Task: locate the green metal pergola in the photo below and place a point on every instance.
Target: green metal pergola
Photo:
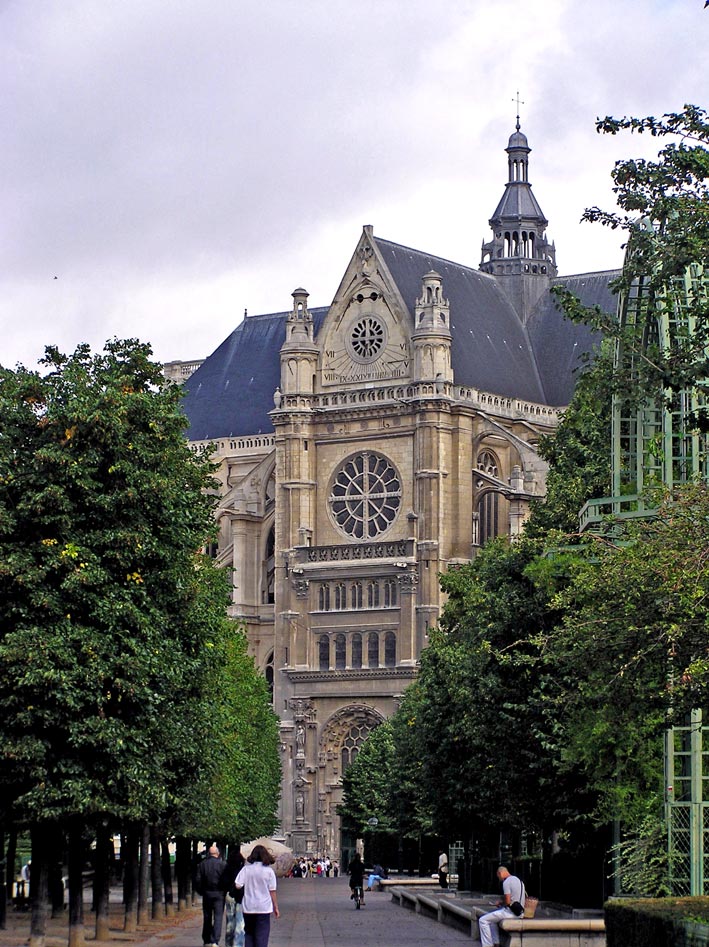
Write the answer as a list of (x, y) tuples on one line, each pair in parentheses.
[(658, 444)]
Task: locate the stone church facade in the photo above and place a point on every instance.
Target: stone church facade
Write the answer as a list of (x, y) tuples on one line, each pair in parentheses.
[(365, 448)]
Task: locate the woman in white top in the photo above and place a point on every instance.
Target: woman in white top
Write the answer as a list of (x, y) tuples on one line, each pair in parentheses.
[(258, 880)]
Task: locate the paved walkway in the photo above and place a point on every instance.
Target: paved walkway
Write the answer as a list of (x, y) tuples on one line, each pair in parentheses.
[(317, 912)]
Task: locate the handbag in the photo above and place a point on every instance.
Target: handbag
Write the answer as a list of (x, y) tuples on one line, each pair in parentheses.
[(530, 906)]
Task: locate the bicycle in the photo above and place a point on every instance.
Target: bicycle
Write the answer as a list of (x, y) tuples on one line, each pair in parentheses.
[(358, 896)]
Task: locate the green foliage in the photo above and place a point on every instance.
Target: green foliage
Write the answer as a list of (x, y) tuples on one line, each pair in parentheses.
[(476, 744), (642, 858), (236, 793), (664, 209), (670, 194), (109, 615), (368, 784), (661, 922), (630, 654)]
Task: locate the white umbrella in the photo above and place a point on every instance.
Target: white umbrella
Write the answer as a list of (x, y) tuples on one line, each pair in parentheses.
[(281, 853), (274, 847)]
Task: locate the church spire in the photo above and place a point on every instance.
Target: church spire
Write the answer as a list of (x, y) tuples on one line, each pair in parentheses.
[(519, 247)]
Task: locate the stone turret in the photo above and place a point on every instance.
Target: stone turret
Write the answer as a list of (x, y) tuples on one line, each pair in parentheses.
[(299, 353), (432, 335), (519, 254)]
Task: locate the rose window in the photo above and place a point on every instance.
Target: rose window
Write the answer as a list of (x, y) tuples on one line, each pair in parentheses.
[(365, 495)]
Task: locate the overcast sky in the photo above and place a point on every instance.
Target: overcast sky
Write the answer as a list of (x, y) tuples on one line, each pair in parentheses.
[(175, 162)]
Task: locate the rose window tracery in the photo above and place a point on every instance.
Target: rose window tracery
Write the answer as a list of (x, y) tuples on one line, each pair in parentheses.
[(365, 495)]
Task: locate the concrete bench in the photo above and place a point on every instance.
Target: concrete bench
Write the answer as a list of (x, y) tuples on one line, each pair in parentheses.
[(427, 906), (407, 899), (514, 932), (554, 931), (460, 916), (406, 881)]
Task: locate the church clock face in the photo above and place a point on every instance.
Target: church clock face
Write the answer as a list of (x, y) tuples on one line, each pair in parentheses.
[(367, 339), (365, 352)]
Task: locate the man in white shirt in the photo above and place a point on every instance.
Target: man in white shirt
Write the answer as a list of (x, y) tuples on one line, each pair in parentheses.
[(512, 891)]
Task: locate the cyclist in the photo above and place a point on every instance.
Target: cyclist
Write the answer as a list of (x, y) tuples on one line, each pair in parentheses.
[(356, 873)]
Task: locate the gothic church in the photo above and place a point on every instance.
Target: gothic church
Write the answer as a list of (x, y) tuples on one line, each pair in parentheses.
[(368, 446)]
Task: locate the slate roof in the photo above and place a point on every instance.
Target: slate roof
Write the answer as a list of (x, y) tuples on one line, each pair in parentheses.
[(490, 348), (558, 343), (519, 203), (231, 394)]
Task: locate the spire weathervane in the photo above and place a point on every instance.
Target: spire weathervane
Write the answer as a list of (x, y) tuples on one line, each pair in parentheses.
[(519, 102)]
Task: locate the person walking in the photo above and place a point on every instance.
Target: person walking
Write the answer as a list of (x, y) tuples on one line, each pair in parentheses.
[(235, 931), (512, 893), (258, 880), (210, 884)]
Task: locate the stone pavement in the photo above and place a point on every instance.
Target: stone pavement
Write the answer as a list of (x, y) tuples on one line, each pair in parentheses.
[(317, 912)]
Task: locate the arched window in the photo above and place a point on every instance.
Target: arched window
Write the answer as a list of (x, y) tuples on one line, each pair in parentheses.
[(390, 649), (324, 598), (324, 651), (352, 744), (356, 650), (389, 593), (340, 659), (340, 596), (487, 462), (356, 595), (489, 516), (373, 649), (488, 507), (373, 595)]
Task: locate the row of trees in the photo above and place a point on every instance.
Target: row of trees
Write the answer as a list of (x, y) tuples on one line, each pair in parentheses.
[(559, 660), (128, 701)]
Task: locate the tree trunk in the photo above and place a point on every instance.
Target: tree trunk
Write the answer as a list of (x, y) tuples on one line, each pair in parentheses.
[(156, 874), (194, 865), (11, 859), (3, 887), (76, 885), (39, 889), (56, 871), (143, 875), (102, 880), (167, 877), (183, 872), (130, 849)]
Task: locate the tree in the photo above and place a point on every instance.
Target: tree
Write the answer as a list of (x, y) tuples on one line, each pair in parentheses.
[(109, 612), (630, 655), (664, 210)]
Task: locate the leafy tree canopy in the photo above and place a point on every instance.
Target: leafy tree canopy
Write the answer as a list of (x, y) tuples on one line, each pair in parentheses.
[(109, 614)]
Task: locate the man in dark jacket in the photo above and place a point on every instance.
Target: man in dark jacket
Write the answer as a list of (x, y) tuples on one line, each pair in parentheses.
[(210, 884)]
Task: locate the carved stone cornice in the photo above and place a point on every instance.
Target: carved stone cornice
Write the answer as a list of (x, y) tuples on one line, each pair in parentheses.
[(351, 674), (356, 552)]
